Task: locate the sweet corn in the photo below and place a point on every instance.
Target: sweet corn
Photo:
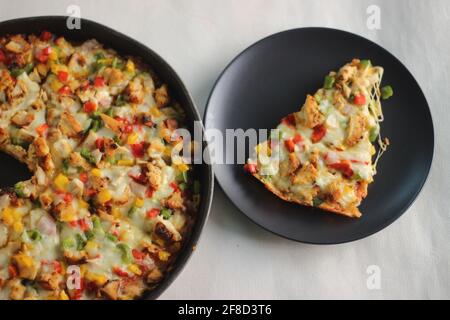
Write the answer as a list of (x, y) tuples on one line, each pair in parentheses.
[(42, 69), (63, 295), (125, 162), (154, 111), (23, 260), (83, 204), (183, 167), (129, 67), (372, 150), (68, 216), (91, 245), (56, 85), (96, 278), (167, 151), (55, 67), (96, 172), (163, 255), (139, 202), (9, 216), (135, 269), (132, 138), (18, 226), (61, 182), (104, 196), (53, 56), (116, 213), (83, 269)]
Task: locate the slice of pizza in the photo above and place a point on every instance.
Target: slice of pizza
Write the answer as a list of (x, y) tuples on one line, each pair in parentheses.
[(321, 156)]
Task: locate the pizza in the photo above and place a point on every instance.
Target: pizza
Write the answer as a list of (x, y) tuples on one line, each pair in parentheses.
[(321, 156), (107, 208)]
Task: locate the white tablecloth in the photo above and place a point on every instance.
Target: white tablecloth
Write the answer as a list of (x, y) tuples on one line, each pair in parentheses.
[(237, 259)]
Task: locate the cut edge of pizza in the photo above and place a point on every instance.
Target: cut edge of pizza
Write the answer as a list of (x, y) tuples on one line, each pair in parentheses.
[(321, 156)]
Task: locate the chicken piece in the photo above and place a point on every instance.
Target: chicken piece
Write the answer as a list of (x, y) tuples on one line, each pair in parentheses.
[(77, 257), (346, 73), (310, 114), (46, 200), (154, 175), (6, 81), (51, 281), (131, 289), (162, 96), (175, 201), (166, 232), (306, 175), (47, 164), (17, 44), (111, 289), (294, 162), (76, 160), (135, 90), (111, 123), (22, 118), (17, 289), (334, 191), (154, 276), (356, 128), (41, 147), (3, 235), (26, 265), (69, 125)]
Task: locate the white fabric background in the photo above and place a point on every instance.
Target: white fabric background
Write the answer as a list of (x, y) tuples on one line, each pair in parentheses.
[(237, 259)]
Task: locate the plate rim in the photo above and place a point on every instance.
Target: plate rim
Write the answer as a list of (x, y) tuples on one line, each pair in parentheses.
[(386, 223)]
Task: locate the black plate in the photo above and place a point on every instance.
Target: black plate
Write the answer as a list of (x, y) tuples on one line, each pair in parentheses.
[(270, 79), (12, 171)]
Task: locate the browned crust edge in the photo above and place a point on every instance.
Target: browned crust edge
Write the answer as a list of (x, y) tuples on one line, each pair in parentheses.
[(323, 206)]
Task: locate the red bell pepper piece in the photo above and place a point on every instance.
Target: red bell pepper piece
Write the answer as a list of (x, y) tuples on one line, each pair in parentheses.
[(319, 132)]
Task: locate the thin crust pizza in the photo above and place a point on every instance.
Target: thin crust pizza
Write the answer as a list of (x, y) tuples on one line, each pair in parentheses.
[(321, 156)]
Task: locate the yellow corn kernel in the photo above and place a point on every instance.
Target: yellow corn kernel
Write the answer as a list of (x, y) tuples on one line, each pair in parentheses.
[(23, 260), (132, 138), (154, 111), (27, 247), (63, 295), (96, 278), (183, 167), (91, 245), (372, 150), (83, 269), (129, 67), (68, 216), (83, 204), (104, 196), (61, 182), (139, 202), (53, 56), (56, 85), (18, 226), (163, 255), (8, 216), (135, 269), (125, 162), (42, 69), (116, 213), (96, 172), (168, 151)]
